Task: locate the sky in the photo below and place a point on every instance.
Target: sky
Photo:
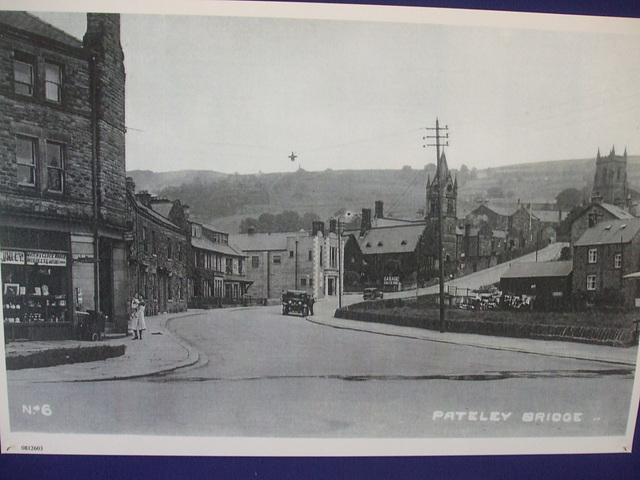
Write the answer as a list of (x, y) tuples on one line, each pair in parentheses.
[(240, 94)]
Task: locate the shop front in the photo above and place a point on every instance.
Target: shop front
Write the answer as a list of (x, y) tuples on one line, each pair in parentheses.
[(36, 285)]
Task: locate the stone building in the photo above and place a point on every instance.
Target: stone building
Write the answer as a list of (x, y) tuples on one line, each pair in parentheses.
[(610, 180), (292, 260), (450, 240), (216, 268), (594, 213), (602, 256), (62, 174), (157, 253)]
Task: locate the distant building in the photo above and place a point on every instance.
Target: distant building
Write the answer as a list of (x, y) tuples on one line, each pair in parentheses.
[(450, 241), (482, 248), (592, 214), (384, 252), (548, 283), (602, 257), (217, 269), (291, 260), (497, 218), (610, 181), (62, 175)]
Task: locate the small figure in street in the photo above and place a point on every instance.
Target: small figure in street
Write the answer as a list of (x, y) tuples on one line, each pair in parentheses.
[(137, 317), (311, 302)]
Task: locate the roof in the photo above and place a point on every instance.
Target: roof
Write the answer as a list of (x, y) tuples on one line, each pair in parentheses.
[(163, 208), (616, 211), (396, 239), (256, 242), (609, 232), (206, 244), (550, 216), (31, 23), (539, 269), (503, 211), (151, 213)]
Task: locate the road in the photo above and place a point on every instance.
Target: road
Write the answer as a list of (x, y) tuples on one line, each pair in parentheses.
[(275, 376)]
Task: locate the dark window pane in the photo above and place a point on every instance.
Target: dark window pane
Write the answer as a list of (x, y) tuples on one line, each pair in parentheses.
[(23, 77)]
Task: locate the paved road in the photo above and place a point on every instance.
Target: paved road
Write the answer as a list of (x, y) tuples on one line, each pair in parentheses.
[(269, 375)]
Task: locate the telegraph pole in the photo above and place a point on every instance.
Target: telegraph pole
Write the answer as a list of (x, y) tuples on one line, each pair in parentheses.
[(441, 181)]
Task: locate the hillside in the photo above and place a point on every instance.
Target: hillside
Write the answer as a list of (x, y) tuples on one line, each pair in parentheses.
[(224, 200)]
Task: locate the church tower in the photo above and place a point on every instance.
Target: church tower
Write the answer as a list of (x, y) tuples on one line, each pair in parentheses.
[(610, 181), (450, 200)]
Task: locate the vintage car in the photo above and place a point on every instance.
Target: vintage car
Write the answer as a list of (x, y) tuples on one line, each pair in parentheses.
[(371, 294), (295, 301)]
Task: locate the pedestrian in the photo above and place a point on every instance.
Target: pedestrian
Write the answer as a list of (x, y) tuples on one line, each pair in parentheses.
[(135, 303), (137, 319), (311, 302)]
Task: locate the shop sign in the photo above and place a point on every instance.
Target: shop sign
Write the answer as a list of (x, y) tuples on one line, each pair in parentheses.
[(391, 280), (47, 259), (9, 257)]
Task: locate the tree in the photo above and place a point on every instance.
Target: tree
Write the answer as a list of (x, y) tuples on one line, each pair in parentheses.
[(568, 198)]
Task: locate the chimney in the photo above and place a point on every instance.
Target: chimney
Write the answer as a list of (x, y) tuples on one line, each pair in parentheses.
[(596, 198), (379, 212), (144, 197), (317, 226), (365, 226), (333, 226), (131, 186)]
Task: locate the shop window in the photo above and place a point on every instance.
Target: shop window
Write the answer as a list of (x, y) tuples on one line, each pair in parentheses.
[(27, 149), (55, 167), (53, 82), (23, 74)]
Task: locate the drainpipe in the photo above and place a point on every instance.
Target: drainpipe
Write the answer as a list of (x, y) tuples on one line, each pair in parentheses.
[(94, 179)]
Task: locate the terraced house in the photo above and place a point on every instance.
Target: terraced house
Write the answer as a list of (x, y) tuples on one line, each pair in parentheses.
[(62, 175)]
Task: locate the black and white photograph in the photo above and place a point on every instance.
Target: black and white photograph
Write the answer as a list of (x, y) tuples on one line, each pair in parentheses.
[(245, 228)]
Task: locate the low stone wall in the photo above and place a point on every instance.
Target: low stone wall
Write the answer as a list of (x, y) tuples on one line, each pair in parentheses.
[(61, 356), (366, 312)]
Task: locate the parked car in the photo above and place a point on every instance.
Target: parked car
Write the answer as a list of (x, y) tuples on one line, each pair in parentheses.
[(295, 301), (371, 294)]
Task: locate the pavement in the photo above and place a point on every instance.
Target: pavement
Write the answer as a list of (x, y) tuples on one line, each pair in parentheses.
[(160, 351)]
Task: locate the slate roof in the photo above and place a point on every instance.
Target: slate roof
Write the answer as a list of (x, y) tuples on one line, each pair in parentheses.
[(206, 244), (500, 210), (152, 213), (616, 211), (395, 239), (550, 216), (608, 232), (539, 270), (257, 242), (31, 23)]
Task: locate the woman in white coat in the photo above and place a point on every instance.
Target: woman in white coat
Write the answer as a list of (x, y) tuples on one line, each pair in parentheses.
[(138, 323)]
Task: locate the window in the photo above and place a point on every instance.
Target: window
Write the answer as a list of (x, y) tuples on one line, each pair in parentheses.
[(291, 254), (311, 282), (255, 261), (310, 255), (53, 82), (333, 257), (169, 248), (239, 266), (451, 207), (229, 266), (591, 282), (321, 254), (593, 255), (169, 289), (196, 230), (27, 155), (55, 167), (303, 282), (23, 75), (145, 246), (277, 260), (617, 261)]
